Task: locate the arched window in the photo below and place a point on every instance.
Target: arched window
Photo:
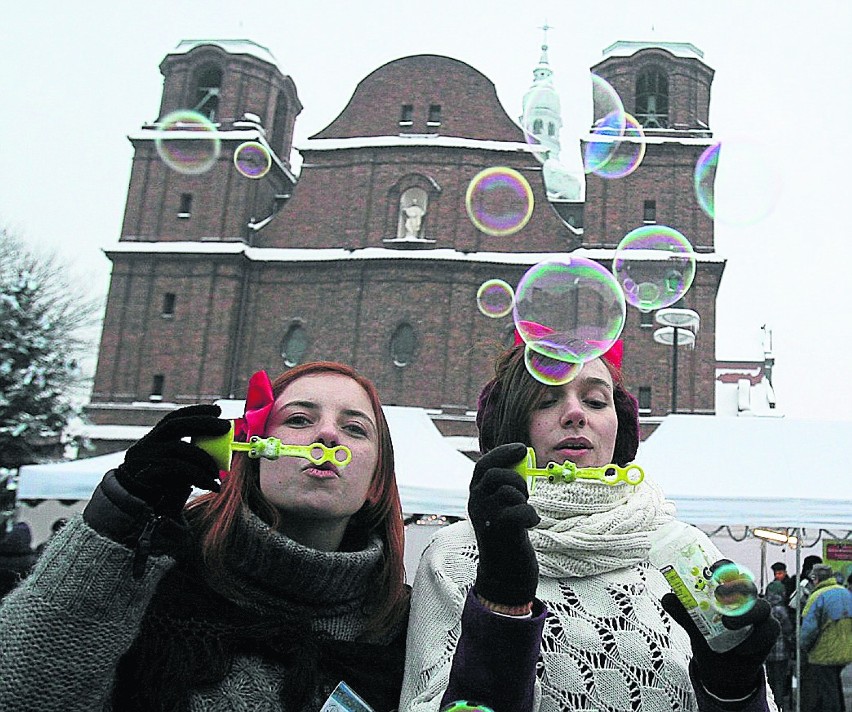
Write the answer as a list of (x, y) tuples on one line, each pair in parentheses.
[(402, 345), (294, 344), (280, 142), (652, 99), (551, 128), (413, 204), (538, 124), (207, 92)]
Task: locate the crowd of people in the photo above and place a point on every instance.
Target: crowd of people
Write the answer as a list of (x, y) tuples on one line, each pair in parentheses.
[(285, 579)]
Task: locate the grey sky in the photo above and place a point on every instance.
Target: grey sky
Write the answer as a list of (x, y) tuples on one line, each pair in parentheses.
[(77, 78)]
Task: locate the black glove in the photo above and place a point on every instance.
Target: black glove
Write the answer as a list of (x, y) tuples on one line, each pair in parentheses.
[(161, 469), (737, 673), (507, 572)]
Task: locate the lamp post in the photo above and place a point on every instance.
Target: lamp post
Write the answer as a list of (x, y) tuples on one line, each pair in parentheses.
[(679, 327)]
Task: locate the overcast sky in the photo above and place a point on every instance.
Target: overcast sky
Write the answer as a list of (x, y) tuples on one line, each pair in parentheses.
[(77, 78)]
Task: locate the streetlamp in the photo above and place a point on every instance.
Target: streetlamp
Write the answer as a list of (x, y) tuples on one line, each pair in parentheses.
[(679, 327)]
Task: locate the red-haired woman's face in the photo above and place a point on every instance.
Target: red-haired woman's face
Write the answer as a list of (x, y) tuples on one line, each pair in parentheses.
[(332, 409)]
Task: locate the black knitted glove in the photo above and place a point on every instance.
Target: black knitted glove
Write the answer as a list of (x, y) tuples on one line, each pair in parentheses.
[(735, 674), (161, 469), (507, 572)]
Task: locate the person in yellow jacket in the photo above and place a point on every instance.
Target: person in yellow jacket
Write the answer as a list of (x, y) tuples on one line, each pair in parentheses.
[(827, 638)]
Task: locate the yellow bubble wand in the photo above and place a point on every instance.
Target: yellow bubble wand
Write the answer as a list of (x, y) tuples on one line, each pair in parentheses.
[(568, 472), (221, 447)]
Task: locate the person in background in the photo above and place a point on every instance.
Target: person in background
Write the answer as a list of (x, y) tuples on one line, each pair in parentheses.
[(547, 602), (778, 662), (779, 571), (803, 585), (827, 638), (264, 593), (17, 556)]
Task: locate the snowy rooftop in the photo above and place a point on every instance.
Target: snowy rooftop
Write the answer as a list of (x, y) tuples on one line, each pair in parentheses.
[(627, 48), (406, 140), (294, 254), (230, 46)]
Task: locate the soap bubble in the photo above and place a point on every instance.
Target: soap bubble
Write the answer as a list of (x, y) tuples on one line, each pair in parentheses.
[(536, 129), (737, 181), (655, 266), (495, 298), (466, 706), (499, 201), (252, 159), (549, 371), (188, 142), (571, 309), (734, 592), (608, 122), (624, 153)]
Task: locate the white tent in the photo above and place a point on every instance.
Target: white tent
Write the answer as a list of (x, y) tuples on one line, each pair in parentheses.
[(775, 472), (433, 477)]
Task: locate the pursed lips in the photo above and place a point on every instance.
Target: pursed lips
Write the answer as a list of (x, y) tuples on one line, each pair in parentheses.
[(325, 470)]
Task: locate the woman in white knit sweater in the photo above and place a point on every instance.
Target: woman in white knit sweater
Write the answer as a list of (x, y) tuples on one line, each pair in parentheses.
[(560, 608)]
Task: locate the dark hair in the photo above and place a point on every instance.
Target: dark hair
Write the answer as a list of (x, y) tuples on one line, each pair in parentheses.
[(507, 401), (381, 512), (779, 566)]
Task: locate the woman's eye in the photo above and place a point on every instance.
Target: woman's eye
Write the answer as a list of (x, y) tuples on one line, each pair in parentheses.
[(546, 403), (356, 429), (297, 419), (597, 404)]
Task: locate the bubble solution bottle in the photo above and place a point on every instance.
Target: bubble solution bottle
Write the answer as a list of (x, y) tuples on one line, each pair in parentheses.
[(685, 556)]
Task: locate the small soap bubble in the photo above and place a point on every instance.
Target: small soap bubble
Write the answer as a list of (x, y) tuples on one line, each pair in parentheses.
[(655, 266), (623, 155), (571, 309), (495, 298), (549, 371), (737, 181), (188, 142), (499, 201), (608, 123), (466, 706), (252, 159), (734, 592)]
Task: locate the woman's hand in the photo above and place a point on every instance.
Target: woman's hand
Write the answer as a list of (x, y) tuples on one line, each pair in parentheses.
[(507, 573), (161, 469), (737, 673)]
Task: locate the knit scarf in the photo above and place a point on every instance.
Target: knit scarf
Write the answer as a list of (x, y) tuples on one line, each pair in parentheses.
[(301, 609), (590, 528)]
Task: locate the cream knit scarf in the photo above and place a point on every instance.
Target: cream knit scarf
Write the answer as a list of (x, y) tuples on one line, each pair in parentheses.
[(590, 528)]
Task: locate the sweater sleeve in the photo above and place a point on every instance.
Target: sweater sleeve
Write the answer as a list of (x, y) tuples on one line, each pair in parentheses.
[(495, 658), (811, 624), (760, 701), (455, 647), (63, 630)]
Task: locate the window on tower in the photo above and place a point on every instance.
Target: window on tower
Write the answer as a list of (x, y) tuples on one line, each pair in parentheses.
[(403, 343), (185, 209), (538, 125), (649, 211), (434, 115), (157, 385), (169, 299), (644, 399), (294, 344), (207, 92), (406, 115), (551, 128), (652, 99)]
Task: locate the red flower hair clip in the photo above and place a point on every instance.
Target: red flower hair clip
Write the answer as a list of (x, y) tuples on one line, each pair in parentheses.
[(614, 355), (259, 402)]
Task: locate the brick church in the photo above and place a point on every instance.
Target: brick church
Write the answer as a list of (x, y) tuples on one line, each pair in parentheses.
[(217, 275)]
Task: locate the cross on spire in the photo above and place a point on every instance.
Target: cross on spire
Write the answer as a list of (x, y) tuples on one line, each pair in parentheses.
[(545, 27)]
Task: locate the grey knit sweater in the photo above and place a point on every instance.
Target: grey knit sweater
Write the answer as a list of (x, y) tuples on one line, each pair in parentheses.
[(64, 629)]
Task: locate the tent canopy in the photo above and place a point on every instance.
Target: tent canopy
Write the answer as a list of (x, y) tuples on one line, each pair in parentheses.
[(432, 476), (774, 472)]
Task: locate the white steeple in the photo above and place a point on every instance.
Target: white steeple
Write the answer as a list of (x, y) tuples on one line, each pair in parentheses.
[(542, 113)]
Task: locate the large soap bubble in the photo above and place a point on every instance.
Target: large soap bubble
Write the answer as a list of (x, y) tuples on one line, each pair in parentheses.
[(495, 298), (499, 201), (188, 142), (734, 591), (655, 266), (571, 309), (608, 123), (623, 154), (550, 371)]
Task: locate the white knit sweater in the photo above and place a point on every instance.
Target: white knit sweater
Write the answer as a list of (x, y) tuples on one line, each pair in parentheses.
[(607, 644)]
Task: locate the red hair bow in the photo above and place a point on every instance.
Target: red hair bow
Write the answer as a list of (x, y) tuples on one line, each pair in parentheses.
[(613, 355), (259, 402)]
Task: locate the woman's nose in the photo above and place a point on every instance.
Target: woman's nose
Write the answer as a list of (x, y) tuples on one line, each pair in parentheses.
[(572, 414), (327, 433)]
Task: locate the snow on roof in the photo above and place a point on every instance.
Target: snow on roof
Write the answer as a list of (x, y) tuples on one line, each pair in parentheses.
[(666, 137), (407, 140), (627, 48), (331, 254), (231, 46)]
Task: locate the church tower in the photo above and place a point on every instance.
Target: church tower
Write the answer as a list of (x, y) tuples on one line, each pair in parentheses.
[(666, 87), (178, 283)]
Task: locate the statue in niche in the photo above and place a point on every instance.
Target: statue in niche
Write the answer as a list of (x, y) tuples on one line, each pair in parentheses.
[(413, 219)]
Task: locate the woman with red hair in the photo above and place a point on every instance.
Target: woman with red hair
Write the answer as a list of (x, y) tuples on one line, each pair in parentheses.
[(265, 593)]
